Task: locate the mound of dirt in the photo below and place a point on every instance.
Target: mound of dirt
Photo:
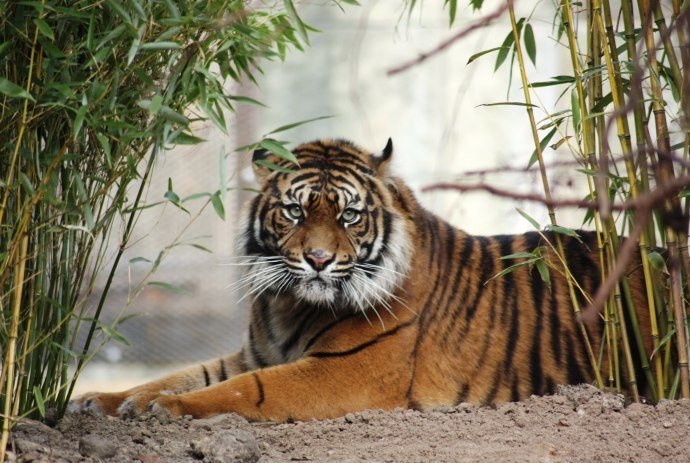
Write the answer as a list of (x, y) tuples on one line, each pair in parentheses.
[(577, 424)]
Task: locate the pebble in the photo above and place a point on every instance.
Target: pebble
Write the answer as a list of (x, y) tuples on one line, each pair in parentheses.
[(94, 446), (227, 445), (350, 418)]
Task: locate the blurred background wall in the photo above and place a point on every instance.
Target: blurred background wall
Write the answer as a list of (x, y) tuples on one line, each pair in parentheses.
[(432, 112)]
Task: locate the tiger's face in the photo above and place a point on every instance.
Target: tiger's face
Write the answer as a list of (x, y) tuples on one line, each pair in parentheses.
[(326, 231)]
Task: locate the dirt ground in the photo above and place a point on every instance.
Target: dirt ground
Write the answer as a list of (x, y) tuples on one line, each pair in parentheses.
[(577, 424)]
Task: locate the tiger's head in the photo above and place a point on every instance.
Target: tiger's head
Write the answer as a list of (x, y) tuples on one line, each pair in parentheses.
[(326, 230)]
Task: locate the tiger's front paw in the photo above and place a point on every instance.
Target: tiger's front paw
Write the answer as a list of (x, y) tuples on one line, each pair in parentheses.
[(137, 405), (166, 408), (97, 403)]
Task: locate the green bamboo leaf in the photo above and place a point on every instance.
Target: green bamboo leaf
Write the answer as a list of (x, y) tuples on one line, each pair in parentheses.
[(278, 149), (160, 46), (13, 90), (155, 106), (120, 11), (563, 230), (113, 334), (519, 255), (167, 286), (40, 403), (657, 261), (134, 260), (44, 28), (544, 141), (283, 128), (87, 212), (172, 9), (246, 99), (139, 9), (168, 113), (534, 223), (543, 271), (4, 48), (476, 4), (79, 120), (557, 80), (299, 25), (530, 44), (575, 107), (505, 47), (663, 342), (218, 205), (510, 103), (273, 166), (482, 53), (26, 183), (514, 267), (452, 10)]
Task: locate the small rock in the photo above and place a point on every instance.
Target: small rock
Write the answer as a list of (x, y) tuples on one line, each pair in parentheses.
[(94, 446), (227, 445), (350, 418), (26, 446), (226, 421), (443, 408), (667, 424), (138, 438), (149, 459), (10, 456), (563, 422)]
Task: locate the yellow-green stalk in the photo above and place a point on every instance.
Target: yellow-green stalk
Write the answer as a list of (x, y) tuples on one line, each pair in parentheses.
[(547, 192)]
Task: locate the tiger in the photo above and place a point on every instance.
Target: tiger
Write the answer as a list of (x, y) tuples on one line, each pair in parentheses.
[(363, 299)]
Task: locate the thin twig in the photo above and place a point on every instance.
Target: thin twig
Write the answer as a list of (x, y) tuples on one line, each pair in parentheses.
[(485, 21)]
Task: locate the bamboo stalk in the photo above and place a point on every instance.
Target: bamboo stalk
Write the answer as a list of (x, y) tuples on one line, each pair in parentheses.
[(624, 138), (9, 363), (663, 173), (547, 193)]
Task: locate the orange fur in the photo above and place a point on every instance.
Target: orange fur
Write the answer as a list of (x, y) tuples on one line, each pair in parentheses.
[(424, 321)]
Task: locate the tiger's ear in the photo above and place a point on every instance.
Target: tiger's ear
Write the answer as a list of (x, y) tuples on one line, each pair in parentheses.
[(382, 158), (260, 172)]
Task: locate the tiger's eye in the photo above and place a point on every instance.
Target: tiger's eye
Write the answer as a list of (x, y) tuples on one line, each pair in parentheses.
[(295, 211), (350, 215)]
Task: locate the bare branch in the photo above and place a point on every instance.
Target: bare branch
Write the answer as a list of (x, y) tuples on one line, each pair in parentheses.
[(485, 21)]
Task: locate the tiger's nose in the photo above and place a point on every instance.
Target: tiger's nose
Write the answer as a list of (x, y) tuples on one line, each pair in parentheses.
[(318, 258)]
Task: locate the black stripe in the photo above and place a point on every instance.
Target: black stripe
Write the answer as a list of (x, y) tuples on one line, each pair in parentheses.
[(555, 322), (487, 264), (550, 385), (491, 395), (297, 334), (536, 372), (458, 283), (207, 378), (432, 240), (461, 396), (326, 329), (256, 356), (509, 278), (575, 375), (364, 345), (260, 387), (223, 373), (446, 259), (515, 389)]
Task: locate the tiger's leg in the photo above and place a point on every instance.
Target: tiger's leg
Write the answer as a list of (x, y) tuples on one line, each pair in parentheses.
[(133, 401), (312, 387)]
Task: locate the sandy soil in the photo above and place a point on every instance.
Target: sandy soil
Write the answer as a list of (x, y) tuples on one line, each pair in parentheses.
[(577, 424)]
